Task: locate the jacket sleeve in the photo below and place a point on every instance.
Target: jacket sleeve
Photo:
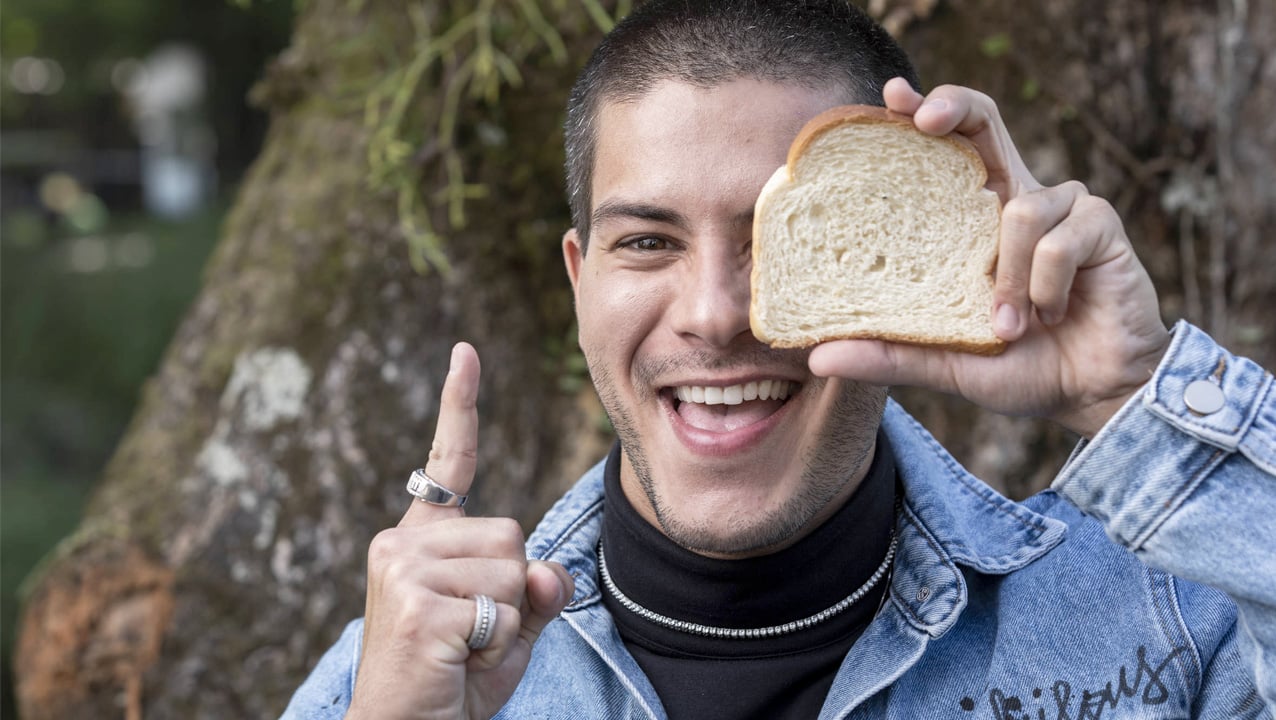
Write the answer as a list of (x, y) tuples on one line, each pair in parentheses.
[(326, 693), (1192, 490)]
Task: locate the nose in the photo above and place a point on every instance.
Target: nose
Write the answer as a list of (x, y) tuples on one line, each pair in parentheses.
[(713, 304)]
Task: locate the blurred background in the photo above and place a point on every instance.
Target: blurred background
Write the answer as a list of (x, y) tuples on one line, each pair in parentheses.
[(125, 128), (220, 552)]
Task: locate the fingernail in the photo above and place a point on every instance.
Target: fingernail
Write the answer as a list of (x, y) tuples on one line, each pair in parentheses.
[(1006, 321), (452, 363), (936, 104)]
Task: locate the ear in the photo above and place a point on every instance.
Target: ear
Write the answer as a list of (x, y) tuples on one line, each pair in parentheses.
[(573, 257)]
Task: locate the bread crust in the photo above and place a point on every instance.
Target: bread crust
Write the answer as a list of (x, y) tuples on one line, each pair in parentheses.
[(781, 175), (869, 115), (814, 128), (969, 347)]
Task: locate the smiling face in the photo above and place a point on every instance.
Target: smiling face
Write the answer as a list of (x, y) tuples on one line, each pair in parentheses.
[(729, 447)]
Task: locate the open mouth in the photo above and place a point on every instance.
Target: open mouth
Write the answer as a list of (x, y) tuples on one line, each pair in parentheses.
[(728, 408)]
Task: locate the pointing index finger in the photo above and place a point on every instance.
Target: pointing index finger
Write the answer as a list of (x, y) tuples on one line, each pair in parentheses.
[(454, 451)]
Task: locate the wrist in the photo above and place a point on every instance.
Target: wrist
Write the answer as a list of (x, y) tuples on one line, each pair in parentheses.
[(1088, 417)]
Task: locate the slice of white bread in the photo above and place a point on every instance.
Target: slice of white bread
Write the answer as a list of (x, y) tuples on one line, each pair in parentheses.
[(874, 229)]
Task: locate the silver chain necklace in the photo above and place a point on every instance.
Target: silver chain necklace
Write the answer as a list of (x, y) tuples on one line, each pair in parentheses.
[(747, 633)]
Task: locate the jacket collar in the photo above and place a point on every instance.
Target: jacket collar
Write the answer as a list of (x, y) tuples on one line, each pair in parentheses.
[(972, 524), (569, 534), (950, 519)]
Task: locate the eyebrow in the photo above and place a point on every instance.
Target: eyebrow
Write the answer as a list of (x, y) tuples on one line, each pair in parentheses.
[(620, 209)]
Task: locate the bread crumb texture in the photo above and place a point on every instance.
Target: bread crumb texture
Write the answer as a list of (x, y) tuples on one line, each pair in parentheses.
[(876, 230)]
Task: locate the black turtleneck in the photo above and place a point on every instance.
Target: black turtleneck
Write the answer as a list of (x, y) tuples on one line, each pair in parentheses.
[(780, 677)]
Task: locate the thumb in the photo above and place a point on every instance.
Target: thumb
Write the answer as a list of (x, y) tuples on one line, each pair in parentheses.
[(884, 363), (549, 589)]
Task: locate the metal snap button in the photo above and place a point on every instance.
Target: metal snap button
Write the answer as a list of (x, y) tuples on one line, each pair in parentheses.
[(1203, 397)]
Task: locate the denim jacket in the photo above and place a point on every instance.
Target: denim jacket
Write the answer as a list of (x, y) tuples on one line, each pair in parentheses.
[(1158, 602)]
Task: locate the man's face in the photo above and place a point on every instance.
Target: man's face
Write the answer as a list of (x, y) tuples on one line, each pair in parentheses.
[(662, 299)]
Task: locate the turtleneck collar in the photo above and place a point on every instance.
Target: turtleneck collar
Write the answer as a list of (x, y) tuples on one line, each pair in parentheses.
[(798, 581)]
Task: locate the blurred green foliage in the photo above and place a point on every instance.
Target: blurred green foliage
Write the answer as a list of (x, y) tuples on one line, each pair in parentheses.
[(75, 348), (995, 46), (480, 48), (89, 298)]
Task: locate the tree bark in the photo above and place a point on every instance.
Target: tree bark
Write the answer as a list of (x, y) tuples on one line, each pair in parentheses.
[(224, 548)]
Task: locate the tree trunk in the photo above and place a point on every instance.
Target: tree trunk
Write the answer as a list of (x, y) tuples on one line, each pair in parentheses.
[(224, 549)]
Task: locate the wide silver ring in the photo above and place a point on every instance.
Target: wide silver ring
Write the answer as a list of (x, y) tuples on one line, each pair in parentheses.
[(424, 488), (484, 622)]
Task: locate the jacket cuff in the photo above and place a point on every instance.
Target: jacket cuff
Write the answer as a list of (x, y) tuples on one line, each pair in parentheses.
[(1146, 461)]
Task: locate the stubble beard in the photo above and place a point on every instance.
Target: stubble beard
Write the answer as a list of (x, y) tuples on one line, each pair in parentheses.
[(844, 447)]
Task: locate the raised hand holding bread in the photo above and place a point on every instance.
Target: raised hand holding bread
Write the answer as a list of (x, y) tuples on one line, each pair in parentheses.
[(1071, 298)]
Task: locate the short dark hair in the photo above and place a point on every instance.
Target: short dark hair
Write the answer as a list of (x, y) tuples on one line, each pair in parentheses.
[(707, 43)]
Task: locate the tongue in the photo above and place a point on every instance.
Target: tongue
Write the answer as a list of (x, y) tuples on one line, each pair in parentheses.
[(725, 418)]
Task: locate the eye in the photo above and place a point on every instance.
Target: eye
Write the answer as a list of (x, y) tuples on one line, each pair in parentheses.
[(647, 243)]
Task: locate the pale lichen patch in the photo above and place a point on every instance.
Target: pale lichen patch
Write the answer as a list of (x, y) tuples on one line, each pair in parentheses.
[(220, 462), (268, 386)]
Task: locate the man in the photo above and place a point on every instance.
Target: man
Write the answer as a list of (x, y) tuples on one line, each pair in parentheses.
[(810, 551)]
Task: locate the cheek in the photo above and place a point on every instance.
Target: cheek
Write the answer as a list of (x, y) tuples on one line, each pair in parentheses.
[(615, 317)]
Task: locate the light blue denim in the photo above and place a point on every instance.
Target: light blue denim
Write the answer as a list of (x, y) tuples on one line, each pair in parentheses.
[(1001, 610)]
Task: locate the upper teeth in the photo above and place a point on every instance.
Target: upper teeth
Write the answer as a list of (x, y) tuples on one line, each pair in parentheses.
[(734, 394)]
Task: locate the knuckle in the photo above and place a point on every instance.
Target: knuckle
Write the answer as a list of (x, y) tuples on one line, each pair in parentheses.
[(511, 580), (1077, 188), (508, 535), (1022, 212), (1052, 253), (384, 547), (952, 91), (393, 573), (423, 614), (1011, 285), (1011, 276), (1092, 204), (445, 452)]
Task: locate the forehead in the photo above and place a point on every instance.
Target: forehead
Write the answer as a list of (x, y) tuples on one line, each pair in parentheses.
[(680, 142)]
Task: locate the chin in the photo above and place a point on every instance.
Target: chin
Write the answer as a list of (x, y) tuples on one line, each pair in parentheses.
[(742, 528)]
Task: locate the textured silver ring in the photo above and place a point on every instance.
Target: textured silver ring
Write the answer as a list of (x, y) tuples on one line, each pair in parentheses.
[(423, 488), (484, 622)]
